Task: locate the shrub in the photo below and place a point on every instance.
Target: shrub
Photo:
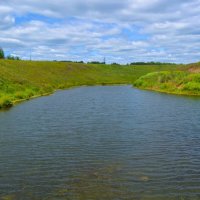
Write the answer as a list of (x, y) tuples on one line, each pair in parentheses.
[(11, 57), (2, 56), (5, 102), (192, 86)]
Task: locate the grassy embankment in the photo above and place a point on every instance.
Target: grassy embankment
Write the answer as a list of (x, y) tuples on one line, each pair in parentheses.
[(20, 80), (185, 81)]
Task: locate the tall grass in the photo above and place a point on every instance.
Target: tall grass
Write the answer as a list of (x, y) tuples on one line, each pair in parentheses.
[(177, 82)]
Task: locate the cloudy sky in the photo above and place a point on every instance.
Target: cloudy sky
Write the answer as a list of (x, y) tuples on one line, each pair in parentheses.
[(121, 30)]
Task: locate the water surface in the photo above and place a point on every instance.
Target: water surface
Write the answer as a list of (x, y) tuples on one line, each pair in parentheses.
[(112, 142)]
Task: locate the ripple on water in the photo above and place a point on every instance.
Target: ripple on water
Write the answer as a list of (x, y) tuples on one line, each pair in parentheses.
[(101, 143)]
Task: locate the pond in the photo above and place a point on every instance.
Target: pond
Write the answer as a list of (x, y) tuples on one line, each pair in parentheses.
[(102, 142)]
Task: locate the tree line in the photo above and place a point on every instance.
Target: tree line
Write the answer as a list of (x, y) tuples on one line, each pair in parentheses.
[(9, 57)]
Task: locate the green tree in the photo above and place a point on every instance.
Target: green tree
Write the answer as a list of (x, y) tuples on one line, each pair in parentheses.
[(11, 57), (2, 56)]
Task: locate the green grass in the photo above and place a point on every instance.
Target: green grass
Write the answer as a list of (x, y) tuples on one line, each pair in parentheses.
[(175, 82), (21, 80)]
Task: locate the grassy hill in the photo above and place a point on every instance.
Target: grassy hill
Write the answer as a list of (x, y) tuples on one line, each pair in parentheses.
[(185, 81), (20, 80)]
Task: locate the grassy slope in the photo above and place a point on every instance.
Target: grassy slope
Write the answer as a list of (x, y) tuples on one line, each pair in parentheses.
[(24, 79), (186, 81)]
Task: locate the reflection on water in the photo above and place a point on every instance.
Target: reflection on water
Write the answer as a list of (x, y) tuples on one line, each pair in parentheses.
[(96, 143)]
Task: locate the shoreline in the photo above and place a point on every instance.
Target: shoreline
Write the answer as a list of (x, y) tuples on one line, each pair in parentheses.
[(168, 92), (17, 101), (25, 80)]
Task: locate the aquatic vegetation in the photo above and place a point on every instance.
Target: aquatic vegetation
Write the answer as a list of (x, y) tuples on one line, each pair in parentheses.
[(144, 178), (96, 184), (8, 197)]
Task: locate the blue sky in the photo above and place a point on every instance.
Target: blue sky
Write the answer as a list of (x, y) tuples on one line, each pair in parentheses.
[(122, 31)]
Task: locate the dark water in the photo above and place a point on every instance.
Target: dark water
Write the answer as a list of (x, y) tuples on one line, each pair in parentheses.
[(91, 143)]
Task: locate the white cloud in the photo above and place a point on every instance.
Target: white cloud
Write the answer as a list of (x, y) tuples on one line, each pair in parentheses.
[(124, 31)]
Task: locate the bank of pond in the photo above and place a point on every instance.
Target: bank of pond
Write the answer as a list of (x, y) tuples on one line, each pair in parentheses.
[(23, 80)]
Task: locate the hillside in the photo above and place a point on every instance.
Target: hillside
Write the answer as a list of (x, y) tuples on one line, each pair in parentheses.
[(185, 81), (21, 80)]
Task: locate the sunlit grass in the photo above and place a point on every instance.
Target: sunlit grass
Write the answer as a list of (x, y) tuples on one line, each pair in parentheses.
[(25, 79), (177, 82)]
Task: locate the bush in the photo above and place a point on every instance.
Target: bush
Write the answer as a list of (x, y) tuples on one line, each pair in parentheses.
[(192, 86), (10, 57), (2, 56), (5, 102)]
